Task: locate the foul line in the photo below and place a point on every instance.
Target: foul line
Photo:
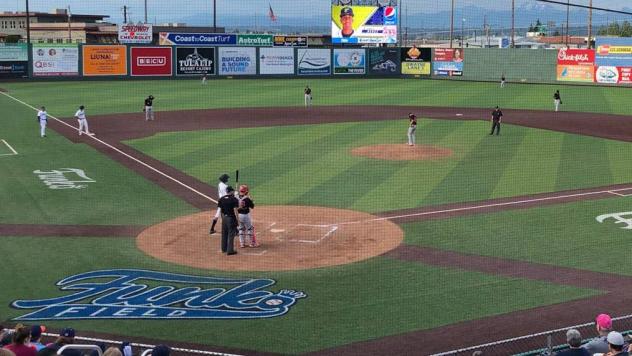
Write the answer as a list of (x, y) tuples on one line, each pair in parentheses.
[(11, 148), (119, 151)]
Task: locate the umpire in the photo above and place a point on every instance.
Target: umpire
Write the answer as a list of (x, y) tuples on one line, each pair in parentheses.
[(228, 205), (497, 116)]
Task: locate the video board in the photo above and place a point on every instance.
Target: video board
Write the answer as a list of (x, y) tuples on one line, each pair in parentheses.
[(363, 24)]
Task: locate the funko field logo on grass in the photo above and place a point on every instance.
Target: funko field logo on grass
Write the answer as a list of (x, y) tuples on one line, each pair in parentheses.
[(125, 294)]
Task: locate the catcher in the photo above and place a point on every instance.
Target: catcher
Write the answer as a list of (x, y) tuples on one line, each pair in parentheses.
[(246, 229)]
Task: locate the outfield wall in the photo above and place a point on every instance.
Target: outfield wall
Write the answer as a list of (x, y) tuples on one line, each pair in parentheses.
[(529, 65)]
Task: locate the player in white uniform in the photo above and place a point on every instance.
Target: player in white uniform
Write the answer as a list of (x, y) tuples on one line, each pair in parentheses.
[(221, 191), (80, 115), (42, 117), (308, 96)]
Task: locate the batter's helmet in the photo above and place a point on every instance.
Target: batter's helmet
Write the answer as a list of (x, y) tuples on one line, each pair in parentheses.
[(224, 178), (151, 97), (243, 189)]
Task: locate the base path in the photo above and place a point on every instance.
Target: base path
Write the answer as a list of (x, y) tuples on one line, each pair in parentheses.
[(289, 237)]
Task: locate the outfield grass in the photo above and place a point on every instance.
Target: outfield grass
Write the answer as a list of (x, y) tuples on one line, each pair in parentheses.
[(121, 96), (312, 164), (563, 235), (349, 303), (118, 197)]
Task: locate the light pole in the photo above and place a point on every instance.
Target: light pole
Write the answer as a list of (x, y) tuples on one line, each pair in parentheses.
[(28, 25), (568, 10), (513, 23), (451, 23), (590, 24), (214, 16), (462, 32), (69, 30), (145, 11)]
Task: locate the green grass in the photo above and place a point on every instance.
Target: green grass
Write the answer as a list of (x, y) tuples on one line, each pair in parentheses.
[(563, 235), (118, 197), (312, 164), (345, 304), (101, 97)]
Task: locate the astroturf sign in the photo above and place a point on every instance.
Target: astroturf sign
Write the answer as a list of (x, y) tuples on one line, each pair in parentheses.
[(127, 294), (255, 40)]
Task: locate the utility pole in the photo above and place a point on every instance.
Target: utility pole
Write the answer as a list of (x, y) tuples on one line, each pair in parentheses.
[(214, 16), (28, 25), (451, 23), (568, 10), (145, 11), (69, 30), (590, 25), (462, 33), (513, 23), (124, 13)]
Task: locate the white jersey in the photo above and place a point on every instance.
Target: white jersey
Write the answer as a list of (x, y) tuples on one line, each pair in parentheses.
[(42, 115), (80, 114), (221, 189)]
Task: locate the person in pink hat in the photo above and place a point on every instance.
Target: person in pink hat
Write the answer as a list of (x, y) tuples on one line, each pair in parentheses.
[(603, 323)]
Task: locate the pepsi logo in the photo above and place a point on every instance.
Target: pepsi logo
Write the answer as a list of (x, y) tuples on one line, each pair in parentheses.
[(389, 12)]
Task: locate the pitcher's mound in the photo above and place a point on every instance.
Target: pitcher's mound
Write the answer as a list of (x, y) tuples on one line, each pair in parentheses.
[(402, 152), (289, 237)]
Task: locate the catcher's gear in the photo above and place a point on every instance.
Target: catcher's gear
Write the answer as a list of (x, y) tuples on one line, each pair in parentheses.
[(243, 189)]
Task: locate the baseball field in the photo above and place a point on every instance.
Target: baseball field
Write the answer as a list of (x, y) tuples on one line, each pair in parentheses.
[(367, 245)]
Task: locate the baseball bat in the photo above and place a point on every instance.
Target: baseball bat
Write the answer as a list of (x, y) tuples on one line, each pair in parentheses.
[(237, 176)]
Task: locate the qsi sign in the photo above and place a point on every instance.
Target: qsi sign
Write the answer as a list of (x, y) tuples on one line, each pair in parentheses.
[(139, 33)]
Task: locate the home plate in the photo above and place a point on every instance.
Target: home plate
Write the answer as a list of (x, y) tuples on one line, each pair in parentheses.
[(459, 114)]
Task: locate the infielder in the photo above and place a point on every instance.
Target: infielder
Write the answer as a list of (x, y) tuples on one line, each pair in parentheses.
[(246, 229), (149, 108), (221, 191), (557, 100), (80, 115), (42, 117), (308, 96), (412, 129)]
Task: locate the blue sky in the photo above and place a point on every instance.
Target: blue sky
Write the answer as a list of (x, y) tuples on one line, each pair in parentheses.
[(179, 10)]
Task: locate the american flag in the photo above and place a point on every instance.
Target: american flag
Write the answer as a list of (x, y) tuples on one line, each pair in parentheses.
[(271, 14)]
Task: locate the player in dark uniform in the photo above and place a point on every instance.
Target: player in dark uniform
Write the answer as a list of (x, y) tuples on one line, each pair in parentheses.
[(496, 118), (228, 205), (557, 100), (149, 108)]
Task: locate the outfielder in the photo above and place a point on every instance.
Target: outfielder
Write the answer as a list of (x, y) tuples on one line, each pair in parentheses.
[(42, 117), (149, 108), (557, 100), (308, 96), (412, 129), (245, 228), (80, 115), (221, 191)]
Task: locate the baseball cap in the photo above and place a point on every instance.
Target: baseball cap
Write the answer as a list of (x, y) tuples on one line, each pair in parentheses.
[(346, 11), (615, 338), (604, 321), (161, 350), (37, 330), (67, 332)]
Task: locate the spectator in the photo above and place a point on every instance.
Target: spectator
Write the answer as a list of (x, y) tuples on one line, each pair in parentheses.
[(21, 339), (112, 351), (126, 348), (603, 323), (615, 344), (5, 352), (6, 337), (574, 340), (161, 350), (66, 337), (36, 336)]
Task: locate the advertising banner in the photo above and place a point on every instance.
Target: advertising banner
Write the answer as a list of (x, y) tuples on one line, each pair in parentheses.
[(447, 62), (276, 61), (195, 61), (363, 24), (55, 60), (349, 61), (196, 39), (13, 52), (151, 61), (290, 41), (613, 51), (13, 69), (575, 65), (384, 61), (237, 61), (135, 33), (104, 60), (255, 40), (416, 61), (625, 75), (314, 61)]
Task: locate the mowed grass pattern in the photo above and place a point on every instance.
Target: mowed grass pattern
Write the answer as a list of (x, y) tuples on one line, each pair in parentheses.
[(118, 96), (313, 164)]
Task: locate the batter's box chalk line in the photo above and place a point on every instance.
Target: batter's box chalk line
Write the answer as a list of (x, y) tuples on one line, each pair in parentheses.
[(300, 233)]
